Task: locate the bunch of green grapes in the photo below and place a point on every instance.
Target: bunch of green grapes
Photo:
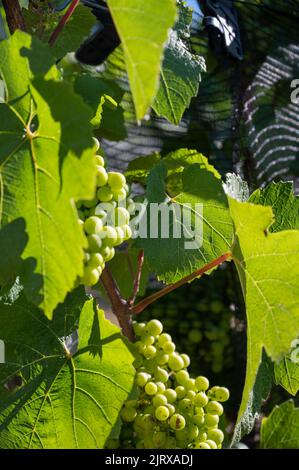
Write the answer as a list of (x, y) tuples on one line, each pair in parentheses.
[(105, 220), (173, 410), (198, 317)]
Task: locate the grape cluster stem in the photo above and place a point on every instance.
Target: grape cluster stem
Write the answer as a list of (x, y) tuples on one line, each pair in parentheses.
[(124, 309)]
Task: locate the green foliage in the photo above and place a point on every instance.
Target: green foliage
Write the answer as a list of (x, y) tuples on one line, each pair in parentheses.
[(269, 274), (281, 429), (70, 368), (47, 161), (198, 183), (143, 29), (180, 72)]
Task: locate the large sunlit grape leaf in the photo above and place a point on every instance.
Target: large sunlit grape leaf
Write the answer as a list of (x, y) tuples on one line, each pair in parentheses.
[(268, 267), (194, 226), (76, 372), (281, 429), (143, 29), (46, 163), (285, 205), (180, 72)]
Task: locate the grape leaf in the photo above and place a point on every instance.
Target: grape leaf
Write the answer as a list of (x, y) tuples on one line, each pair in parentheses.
[(76, 372), (179, 252), (74, 32), (103, 97), (268, 267), (180, 72), (285, 205), (46, 161), (280, 196), (281, 429), (260, 392), (143, 32)]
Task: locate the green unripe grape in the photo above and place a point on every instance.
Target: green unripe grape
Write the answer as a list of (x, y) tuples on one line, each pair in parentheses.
[(109, 236), (190, 384), (159, 400), (100, 270), (161, 387), (104, 194), (185, 405), (211, 443), (121, 216), (108, 255), (198, 419), (96, 260), (102, 177), (149, 352), (202, 436), (186, 360), (154, 327), (214, 408), (94, 243), (139, 346), (216, 306), (201, 399), (128, 414), (219, 393), (93, 225), (81, 223), (168, 347), (164, 338), (180, 391), (159, 439), (142, 378), (182, 377), (96, 144), (147, 339), (120, 235), (211, 420), (100, 213), (202, 445), (182, 436), (148, 423), (90, 276), (171, 409), (201, 383), (138, 328), (119, 194), (87, 257), (162, 413), (195, 336), (170, 395), (127, 232), (175, 362), (100, 161), (190, 394), (161, 375), (151, 388), (192, 431), (116, 180), (131, 207), (216, 435), (162, 358), (177, 422)]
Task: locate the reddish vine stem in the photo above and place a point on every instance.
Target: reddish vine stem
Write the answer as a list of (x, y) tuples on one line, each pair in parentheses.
[(137, 279), (14, 15), (63, 22), (137, 309), (120, 306)]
